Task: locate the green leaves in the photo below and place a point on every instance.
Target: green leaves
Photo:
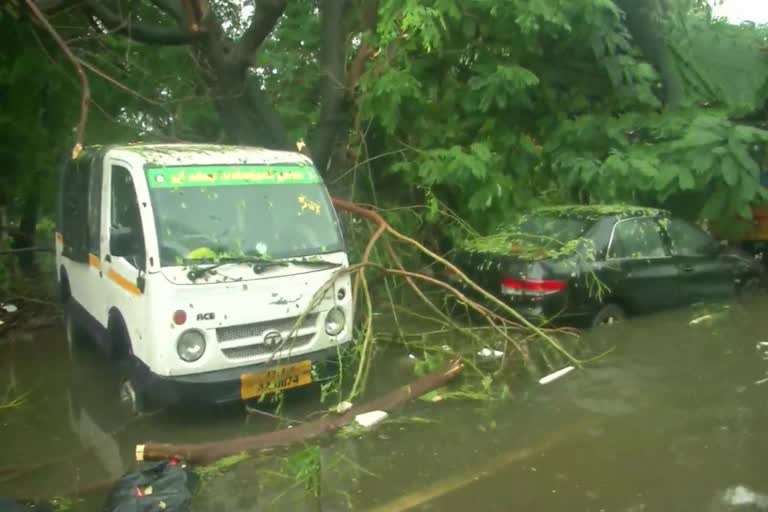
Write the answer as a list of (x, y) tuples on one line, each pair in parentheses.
[(506, 85), (698, 155)]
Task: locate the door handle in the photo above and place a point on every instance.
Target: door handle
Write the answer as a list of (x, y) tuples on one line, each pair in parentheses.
[(686, 268)]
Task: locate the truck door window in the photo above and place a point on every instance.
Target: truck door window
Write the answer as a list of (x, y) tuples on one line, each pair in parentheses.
[(94, 210), (125, 215), (75, 210)]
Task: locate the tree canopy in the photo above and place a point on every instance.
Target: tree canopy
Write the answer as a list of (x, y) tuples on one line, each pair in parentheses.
[(482, 106)]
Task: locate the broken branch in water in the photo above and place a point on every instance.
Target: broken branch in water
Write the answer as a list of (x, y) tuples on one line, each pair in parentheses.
[(205, 453)]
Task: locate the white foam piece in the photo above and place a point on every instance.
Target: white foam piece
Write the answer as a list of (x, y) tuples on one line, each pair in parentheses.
[(556, 375), (369, 419)]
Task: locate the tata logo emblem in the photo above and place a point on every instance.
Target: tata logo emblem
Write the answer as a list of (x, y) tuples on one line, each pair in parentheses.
[(205, 316), (272, 339)]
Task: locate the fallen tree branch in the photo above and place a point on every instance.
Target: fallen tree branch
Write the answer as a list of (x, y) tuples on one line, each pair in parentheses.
[(383, 226), (206, 453), (85, 89)]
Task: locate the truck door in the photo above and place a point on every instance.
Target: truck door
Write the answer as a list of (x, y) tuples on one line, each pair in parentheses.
[(125, 249)]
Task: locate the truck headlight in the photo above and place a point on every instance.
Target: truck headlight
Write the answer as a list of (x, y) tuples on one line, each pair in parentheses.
[(334, 321), (191, 346)]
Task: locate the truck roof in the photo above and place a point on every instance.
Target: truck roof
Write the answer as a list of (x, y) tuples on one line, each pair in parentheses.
[(177, 154)]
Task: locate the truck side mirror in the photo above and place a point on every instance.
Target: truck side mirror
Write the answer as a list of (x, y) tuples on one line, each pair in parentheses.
[(122, 242)]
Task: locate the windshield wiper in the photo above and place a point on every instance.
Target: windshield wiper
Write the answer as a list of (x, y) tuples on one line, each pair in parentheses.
[(257, 261), (314, 263), (260, 264)]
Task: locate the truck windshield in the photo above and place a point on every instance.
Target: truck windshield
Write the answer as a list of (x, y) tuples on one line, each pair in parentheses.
[(213, 212)]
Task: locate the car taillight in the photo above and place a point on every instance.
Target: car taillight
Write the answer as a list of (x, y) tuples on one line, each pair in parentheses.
[(530, 287)]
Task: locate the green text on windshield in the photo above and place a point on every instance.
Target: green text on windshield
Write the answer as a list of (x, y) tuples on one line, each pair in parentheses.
[(214, 212)]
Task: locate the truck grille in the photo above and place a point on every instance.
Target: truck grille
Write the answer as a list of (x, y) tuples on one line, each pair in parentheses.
[(260, 349), (283, 326)]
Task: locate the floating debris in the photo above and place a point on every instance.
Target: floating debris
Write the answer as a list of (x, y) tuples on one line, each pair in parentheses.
[(556, 375), (740, 495), (487, 352), (9, 308), (700, 319), (343, 407), (370, 419)]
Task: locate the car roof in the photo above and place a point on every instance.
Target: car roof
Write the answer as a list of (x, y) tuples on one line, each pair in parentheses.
[(178, 154), (600, 211)]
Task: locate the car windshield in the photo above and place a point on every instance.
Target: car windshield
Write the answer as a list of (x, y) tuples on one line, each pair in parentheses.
[(550, 230), (213, 212)]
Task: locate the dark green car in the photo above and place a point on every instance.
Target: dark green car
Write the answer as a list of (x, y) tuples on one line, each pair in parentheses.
[(589, 265)]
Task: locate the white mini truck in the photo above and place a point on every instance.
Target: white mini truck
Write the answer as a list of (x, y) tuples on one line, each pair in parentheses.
[(207, 273)]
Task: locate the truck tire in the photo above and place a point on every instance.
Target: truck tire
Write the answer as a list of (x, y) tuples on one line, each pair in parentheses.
[(132, 399)]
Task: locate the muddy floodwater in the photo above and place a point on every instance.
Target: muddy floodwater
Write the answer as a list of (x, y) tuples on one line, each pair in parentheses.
[(674, 419)]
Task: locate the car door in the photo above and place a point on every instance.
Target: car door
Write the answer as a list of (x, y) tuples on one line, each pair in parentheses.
[(639, 269), (704, 274)]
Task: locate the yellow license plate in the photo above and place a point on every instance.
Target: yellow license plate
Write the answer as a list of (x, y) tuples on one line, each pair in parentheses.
[(253, 385)]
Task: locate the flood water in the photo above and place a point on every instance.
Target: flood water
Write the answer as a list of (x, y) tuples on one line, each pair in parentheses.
[(674, 419)]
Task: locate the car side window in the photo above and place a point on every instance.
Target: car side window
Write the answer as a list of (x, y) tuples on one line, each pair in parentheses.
[(636, 239), (688, 240), (125, 214)]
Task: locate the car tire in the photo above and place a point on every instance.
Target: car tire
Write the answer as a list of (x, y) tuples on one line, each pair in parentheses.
[(609, 314)]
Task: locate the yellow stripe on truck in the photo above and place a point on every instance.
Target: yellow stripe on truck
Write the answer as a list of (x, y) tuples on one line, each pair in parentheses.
[(94, 261), (124, 283)]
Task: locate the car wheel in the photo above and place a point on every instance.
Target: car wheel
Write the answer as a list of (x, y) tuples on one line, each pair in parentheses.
[(609, 314)]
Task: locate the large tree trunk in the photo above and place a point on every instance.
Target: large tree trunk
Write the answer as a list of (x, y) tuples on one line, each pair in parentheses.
[(643, 22), (333, 89), (247, 115)]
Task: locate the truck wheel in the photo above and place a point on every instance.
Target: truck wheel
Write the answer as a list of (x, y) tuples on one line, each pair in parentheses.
[(608, 315), (131, 400)]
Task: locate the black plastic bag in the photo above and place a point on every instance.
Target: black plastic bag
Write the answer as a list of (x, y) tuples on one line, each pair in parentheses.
[(165, 486)]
